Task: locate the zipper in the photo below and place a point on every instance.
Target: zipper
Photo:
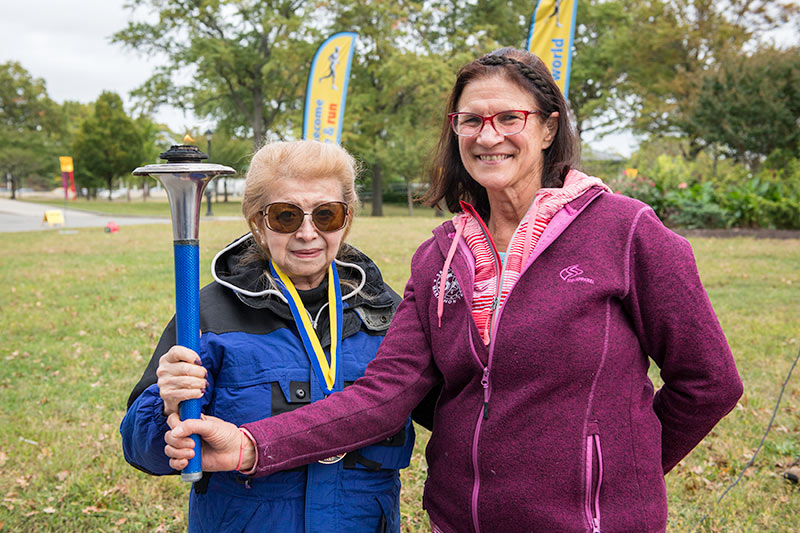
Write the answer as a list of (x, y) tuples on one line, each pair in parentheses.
[(593, 484), (485, 383), (476, 484)]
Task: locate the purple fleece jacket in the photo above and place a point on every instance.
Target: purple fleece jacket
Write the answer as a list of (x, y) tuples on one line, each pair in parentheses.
[(555, 425)]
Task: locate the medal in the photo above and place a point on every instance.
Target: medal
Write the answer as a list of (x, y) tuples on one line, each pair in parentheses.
[(333, 459)]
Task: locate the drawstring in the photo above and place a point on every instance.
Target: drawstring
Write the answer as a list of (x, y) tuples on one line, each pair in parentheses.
[(459, 223)]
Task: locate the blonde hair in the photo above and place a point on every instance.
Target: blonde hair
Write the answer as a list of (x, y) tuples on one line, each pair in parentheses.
[(304, 161)]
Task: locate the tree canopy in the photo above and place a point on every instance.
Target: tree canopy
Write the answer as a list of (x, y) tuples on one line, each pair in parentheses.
[(658, 68), (108, 144), (30, 124), (751, 107)]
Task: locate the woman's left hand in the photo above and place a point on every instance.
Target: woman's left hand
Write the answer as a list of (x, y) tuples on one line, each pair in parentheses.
[(222, 443)]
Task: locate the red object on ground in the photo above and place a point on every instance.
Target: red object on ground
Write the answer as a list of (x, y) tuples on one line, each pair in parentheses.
[(112, 227)]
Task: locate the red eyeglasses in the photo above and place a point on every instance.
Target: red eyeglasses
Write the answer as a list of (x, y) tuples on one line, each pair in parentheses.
[(508, 122)]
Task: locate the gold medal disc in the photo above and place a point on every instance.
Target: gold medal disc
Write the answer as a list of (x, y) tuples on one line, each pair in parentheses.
[(333, 459)]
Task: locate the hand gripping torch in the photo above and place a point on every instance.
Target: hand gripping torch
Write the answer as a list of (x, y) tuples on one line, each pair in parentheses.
[(184, 176)]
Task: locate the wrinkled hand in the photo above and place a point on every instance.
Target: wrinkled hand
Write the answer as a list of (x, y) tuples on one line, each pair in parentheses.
[(221, 443), (181, 376)]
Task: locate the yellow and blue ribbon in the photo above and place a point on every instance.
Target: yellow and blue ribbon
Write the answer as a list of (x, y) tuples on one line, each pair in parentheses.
[(326, 373)]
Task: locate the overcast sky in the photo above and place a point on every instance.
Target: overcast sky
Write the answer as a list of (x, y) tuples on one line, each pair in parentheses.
[(67, 43)]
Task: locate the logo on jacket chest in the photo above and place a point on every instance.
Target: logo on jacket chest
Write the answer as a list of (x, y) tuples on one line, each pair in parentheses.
[(573, 273), (452, 291)]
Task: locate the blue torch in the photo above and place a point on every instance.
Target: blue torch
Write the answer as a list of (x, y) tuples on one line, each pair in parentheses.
[(184, 176)]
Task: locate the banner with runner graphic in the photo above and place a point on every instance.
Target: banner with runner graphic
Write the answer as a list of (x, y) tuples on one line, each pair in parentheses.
[(551, 35), (327, 88)]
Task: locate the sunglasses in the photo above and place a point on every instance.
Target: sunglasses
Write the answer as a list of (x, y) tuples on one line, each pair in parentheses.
[(283, 217)]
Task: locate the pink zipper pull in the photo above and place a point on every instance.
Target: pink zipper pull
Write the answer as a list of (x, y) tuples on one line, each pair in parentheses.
[(595, 525), (485, 385)]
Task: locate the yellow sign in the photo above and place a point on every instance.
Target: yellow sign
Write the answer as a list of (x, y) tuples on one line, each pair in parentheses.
[(326, 91), (66, 163), (631, 172), (53, 217), (551, 35)]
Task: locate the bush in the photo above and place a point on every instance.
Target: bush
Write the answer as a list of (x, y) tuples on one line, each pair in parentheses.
[(694, 214), (707, 194)]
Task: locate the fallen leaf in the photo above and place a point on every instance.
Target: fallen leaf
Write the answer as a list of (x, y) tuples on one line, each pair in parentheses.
[(121, 521), (3, 458), (48, 510), (61, 476), (90, 509)]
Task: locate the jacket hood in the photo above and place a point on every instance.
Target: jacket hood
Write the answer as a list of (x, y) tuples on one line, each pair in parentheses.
[(251, 285)]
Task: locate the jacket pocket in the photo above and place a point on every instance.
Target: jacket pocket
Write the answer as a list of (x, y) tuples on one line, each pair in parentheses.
[(593, 481)]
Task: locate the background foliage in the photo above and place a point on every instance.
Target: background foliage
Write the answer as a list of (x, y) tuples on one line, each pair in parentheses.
[(697, 76)]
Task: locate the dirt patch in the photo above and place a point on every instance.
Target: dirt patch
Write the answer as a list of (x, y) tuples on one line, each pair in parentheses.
[(756, 233)]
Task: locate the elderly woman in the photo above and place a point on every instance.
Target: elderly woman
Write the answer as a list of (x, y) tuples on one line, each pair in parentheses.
[(293, 315), (537, 310)]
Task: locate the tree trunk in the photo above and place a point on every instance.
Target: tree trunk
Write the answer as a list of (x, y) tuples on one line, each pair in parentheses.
[(377, 190), (145, 190), (410, 199), (258, 119), (109, 181), (225, 190), (13, 187)]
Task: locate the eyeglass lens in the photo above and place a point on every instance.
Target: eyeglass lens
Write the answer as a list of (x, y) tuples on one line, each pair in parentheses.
[(284, 217), (505, 122)]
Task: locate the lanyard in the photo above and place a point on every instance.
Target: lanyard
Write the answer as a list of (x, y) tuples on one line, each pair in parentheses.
[(326, 373)]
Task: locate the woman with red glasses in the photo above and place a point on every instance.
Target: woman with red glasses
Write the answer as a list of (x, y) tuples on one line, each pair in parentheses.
[(532, 316), (294, 315)]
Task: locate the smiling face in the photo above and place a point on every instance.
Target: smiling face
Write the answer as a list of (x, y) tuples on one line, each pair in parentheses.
[(512, 164), (305, 254)]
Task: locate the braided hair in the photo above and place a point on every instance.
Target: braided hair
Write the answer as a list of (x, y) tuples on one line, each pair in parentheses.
[(450, 181), (544, 87)]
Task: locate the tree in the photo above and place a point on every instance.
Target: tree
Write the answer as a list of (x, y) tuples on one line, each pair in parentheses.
[(598, 65), (672, 44), (108, 145), (751, 107), (406, 57), (241, 62), (30, 123), (230, 151), (155, 139)]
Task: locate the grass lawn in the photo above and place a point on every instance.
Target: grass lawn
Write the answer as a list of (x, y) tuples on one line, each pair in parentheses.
[(82, 312)]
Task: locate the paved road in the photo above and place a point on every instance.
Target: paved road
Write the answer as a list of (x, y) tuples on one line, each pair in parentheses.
[(24, 216)]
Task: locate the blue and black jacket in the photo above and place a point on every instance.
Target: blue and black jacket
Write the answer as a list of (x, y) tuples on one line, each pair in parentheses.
[(259, 368)]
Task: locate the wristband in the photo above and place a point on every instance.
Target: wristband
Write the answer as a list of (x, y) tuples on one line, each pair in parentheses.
[(241, 450)]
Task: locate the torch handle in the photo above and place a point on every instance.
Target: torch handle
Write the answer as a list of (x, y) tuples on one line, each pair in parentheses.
[(187, 311)]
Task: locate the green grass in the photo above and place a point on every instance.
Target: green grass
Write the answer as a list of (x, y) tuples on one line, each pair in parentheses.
[(82, 312)]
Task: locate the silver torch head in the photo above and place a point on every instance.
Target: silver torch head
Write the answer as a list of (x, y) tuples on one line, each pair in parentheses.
[(184, 176)]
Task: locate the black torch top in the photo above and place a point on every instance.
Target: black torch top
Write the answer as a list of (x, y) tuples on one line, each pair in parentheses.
[(183, 153)]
